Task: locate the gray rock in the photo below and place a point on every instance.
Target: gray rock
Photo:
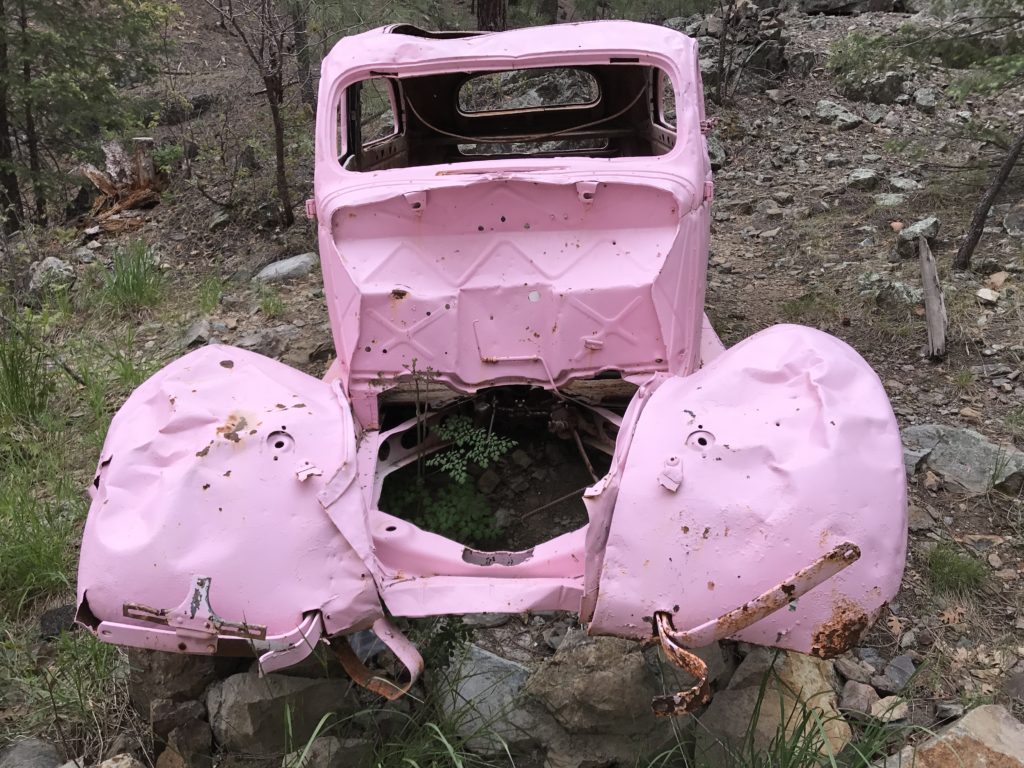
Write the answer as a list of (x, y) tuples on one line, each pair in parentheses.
[(197, 334), (901, 184), (484, 694), (83, 255), (926, 99), (831, 113), (486, 620), (192, 744), (173, 676), (844, 7), (887, 291), (964, 457), (166, 715), (906, 240), (986, 736), (863, 178), (50, 274), (288, 269), (270, 342), (948, 710), (797, 681), (248, 713), (889, 199), (1013, 221), (896, 675), (488, 481), (918, 519), (717, 153), (878, 89), (890, 709), (857, 697), (331, 752), (853, 670), (835, 161), (30, 753), (121, 761)]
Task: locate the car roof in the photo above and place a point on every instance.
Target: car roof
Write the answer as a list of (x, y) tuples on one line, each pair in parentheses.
[(403, 48)]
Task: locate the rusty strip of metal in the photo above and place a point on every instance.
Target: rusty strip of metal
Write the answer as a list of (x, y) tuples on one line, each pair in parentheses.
[(695, 696), (803, 581), (361, 674)]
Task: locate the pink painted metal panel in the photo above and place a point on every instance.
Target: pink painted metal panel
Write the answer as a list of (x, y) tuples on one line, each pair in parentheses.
[(782, 448), (212, 469)]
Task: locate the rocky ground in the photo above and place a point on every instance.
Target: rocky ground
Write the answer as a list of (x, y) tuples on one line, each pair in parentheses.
[(820, 192)]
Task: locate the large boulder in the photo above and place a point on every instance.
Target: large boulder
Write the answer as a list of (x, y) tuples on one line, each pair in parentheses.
[(986, 737), (171, 676), (877, 88), (964, 457), (253, 715), (30, 753), (288, 269), (797, 689), (51, 274)]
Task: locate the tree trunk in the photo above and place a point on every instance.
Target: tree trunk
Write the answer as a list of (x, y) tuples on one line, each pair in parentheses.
[(962, 260), (491, 15), (934, 303), (274, 96), (10, 191), (300, 37), (31, 135)]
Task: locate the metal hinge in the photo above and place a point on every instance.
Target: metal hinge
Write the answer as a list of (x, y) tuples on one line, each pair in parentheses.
[(311, 209)]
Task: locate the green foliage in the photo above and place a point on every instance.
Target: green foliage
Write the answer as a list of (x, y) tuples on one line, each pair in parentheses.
[(468, 444), (25, 383), (135, 281), (167, 157), (455, 510), (440, 638), (67, 63), (951, 572)]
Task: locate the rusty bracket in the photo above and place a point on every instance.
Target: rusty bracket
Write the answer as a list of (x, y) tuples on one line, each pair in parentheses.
[(194, 618), (695, 696), (776, 598), (399, 645)]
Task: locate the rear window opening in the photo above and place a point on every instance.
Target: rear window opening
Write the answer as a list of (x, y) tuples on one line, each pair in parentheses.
[(604, 110)]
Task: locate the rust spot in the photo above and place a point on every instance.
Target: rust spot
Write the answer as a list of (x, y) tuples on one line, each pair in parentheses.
[(399, 294), (227, 363), (711, 585), (686, 529), (230, 429), (842, 630), (206, 487), (788, 589), (281, 406), (228, 473), (203, 452), (707, 532), (299, 405)]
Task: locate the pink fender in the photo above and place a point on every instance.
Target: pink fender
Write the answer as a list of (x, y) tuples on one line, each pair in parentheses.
[(206, 498), (762, 498)]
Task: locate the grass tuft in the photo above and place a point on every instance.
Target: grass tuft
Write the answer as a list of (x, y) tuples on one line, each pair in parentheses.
[(953, 573), (25, 383), (135, 281)]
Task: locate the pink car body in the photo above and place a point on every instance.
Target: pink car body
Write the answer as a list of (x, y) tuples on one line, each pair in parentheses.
[(755, 493)]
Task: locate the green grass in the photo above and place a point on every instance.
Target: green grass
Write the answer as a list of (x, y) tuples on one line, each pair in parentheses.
[(271, 304), (25, 382), (134, 281), (210, 291), (951, 572)]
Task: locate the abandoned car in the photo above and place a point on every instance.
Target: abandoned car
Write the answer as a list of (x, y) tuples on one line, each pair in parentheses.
[(513, 231)]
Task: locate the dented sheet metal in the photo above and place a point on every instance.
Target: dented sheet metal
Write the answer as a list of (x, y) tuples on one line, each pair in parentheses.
[(754, 493)]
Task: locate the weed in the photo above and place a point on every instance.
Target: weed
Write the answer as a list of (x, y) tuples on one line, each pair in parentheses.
[(135, 281), (1015, 421), (37, 548), (951, 572), (468, 444), (271, 304), (440, 638), (458, 511), (963, 381), (210, 291), (25, 383)]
